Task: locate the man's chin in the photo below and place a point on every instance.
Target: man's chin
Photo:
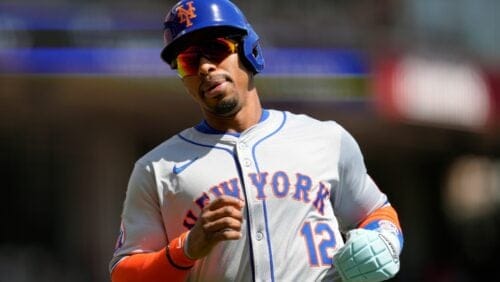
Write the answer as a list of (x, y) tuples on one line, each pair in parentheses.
[(226, 108)]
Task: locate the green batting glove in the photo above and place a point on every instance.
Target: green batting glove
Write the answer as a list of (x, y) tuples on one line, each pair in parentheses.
[(368, 256)]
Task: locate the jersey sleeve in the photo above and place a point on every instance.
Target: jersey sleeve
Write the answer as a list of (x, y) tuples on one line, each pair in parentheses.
[(356, 195), (167, 264), (142, 229), (143, 252)]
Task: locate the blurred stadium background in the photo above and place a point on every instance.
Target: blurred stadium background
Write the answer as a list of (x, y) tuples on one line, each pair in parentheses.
[(83, 94)]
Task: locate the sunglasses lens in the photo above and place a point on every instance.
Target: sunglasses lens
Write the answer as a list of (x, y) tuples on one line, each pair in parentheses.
[(215, 50), (187, 63), (218, 49)]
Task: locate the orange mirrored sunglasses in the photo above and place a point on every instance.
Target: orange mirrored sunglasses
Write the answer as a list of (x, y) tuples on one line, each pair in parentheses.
[(216, 50)]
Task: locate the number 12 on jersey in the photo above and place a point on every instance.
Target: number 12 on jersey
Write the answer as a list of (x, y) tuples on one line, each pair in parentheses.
[(320, 242)]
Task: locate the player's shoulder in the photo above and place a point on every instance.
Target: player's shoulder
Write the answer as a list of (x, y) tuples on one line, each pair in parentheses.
[(165, 150), (304, 119), (315, 127)]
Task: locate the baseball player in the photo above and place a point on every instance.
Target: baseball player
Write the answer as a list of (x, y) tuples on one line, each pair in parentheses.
[(248, 194)]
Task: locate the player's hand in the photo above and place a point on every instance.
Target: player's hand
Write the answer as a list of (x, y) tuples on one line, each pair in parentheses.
[(220, 220), (367, 256)]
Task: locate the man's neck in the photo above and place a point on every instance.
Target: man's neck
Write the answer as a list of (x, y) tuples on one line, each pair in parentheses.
[(246, 117)]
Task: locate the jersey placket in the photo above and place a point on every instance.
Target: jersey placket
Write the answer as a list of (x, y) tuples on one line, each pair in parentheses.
[(259, 243)]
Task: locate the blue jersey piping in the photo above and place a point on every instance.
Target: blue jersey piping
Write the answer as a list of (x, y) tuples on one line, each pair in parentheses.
[(252, 263), (271, 261)]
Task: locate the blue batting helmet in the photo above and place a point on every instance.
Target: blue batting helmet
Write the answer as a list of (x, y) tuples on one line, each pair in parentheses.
[(197, 19)]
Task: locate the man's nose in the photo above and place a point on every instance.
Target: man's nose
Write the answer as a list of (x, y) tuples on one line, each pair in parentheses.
[(206, 66)]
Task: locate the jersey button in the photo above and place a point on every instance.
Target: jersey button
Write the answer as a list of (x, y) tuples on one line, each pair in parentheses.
[(247, 162), (259, 236), (242, 146)]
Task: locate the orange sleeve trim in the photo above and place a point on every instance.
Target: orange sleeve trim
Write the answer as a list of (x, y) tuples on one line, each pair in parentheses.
[(176, 255), (155, 266), (383, 213)]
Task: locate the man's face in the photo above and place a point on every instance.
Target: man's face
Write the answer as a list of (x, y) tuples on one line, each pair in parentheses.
[(215, 77)]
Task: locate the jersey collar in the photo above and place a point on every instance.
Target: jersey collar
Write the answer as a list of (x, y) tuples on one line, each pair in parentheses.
[(204, 127)]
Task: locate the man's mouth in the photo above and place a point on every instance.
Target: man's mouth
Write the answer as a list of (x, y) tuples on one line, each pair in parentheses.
[(212, 84)]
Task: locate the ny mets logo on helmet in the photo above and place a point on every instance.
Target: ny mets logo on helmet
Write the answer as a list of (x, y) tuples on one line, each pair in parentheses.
[(186, 14)]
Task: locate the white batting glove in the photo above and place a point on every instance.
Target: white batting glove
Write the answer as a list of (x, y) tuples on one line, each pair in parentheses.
[(368, 256)]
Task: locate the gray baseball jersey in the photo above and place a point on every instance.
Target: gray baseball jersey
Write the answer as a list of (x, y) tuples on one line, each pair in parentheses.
[(303, 182)]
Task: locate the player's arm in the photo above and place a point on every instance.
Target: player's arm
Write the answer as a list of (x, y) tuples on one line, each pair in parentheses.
[(142, 253), (168, 264), (373, 232), (385, 221), (221, 220)]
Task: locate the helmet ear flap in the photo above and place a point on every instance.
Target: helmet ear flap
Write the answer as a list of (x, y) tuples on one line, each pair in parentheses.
[(252, 51)]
